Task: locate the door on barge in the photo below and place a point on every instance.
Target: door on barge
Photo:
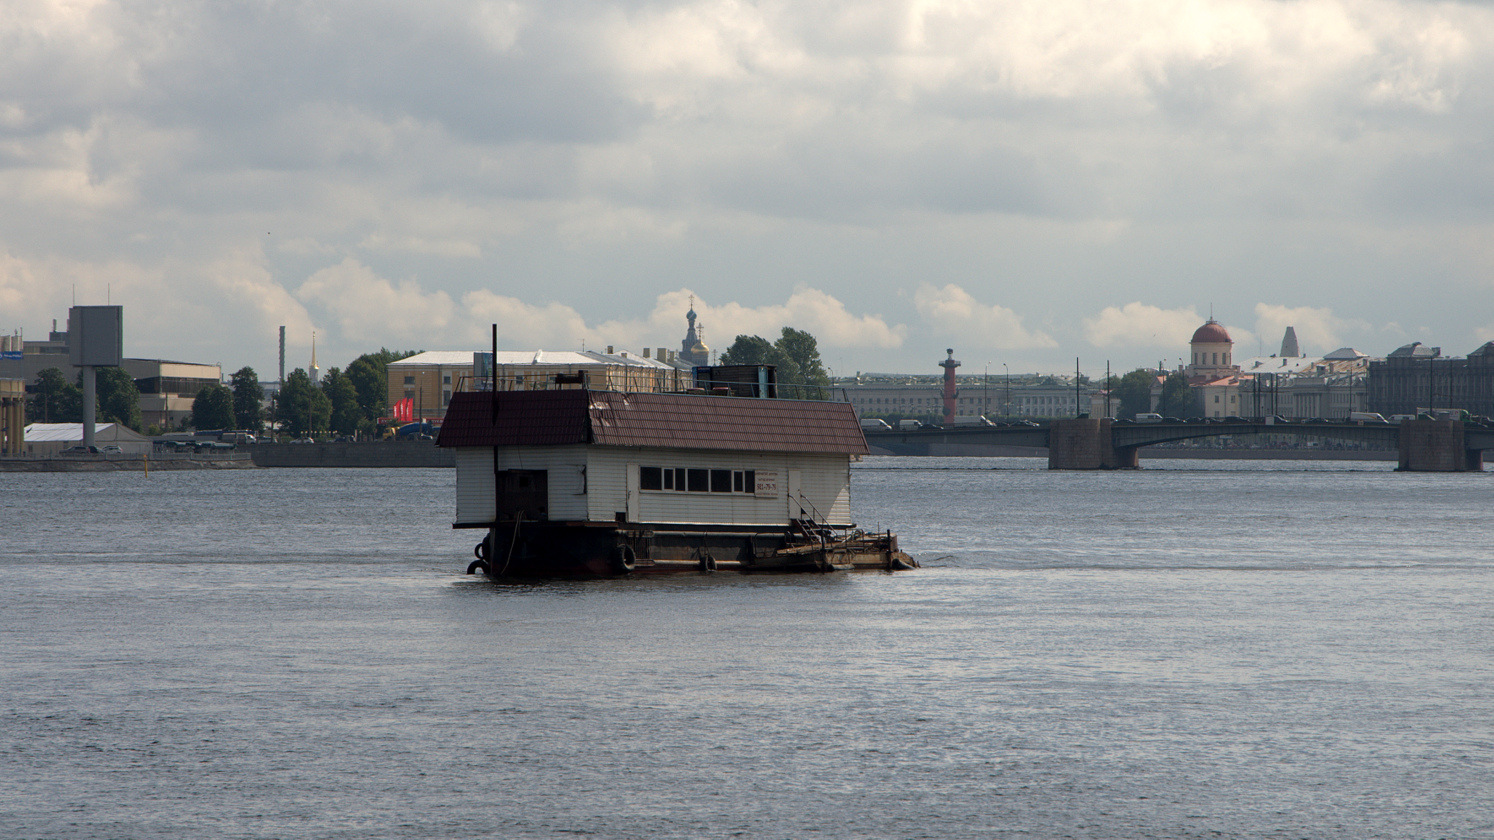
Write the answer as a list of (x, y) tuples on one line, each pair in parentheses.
[(523, 493)]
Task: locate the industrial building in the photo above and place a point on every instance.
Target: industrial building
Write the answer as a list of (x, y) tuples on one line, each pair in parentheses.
[(167, 388)]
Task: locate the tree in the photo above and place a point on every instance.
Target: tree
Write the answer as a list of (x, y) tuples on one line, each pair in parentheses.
[(248, 398), (118, 398), (1134, 390), (796, 354), (213, 408), (369, 374), (1178, 400), (343, 399), (54, 399), (756, 350), (301, 408), (801, 348)]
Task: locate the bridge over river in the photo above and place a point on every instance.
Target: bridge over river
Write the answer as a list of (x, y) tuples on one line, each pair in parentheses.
[(1104, 444)]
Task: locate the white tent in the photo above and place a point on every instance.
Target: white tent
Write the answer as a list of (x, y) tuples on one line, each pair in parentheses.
[(44, 439)]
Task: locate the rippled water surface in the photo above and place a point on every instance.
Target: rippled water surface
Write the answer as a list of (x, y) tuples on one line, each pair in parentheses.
[(1193, 650)]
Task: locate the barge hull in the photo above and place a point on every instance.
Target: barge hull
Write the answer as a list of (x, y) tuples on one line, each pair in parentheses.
[(526, 549)]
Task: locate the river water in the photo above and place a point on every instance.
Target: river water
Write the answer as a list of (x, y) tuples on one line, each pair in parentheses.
[(1192, 650)]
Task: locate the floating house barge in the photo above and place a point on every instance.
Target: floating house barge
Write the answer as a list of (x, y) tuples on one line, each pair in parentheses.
[(579, 483)]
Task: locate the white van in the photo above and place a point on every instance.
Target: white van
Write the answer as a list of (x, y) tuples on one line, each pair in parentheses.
[(1148, 417), (1366, 417), (872, 424)]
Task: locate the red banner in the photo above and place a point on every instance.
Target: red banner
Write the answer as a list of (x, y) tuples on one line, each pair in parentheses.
[(404, 410)]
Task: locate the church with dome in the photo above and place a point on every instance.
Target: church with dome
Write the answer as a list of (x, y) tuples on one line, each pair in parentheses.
[(1212, 373), (693, 351)]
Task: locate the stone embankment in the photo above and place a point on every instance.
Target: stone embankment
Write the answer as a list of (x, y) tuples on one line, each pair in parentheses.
[(415, 453)]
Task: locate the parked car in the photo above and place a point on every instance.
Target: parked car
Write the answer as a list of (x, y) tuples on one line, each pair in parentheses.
[(111, 449), (81, 450)]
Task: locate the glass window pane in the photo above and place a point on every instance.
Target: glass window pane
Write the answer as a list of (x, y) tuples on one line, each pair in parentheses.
[(700, 480), (650, 478)]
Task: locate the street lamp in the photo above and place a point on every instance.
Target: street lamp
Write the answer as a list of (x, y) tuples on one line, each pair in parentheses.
[(985, 390), (1006, 410)]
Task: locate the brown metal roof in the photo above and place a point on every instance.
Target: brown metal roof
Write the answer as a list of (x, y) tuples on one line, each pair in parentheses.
[(676, 421)]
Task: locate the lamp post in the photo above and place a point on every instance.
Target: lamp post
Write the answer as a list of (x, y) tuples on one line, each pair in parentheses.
[(1006, 410), (985, 390)]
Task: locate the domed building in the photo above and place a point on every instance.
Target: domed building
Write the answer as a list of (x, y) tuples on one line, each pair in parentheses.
[(693, 351), (1212, 348), (1212, 374)]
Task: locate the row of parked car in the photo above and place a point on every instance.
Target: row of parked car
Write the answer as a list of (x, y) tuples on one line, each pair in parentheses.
[(203, 445), (1360, 417)]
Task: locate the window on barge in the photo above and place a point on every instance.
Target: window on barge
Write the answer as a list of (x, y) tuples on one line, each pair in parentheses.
[(695, 480)]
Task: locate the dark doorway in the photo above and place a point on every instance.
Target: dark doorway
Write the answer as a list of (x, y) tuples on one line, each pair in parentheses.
[(523, 492)]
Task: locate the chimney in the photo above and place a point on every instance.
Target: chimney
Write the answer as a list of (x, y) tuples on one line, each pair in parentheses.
[(609, 349), (645, 352)]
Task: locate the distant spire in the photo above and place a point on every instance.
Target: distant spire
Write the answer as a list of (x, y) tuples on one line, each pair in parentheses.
[(316, 372)]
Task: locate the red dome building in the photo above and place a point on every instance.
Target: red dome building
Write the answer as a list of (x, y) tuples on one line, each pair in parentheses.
[(1212, 374), (1212, 349)]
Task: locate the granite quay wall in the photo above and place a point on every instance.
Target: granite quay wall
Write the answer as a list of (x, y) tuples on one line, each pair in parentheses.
[(422, 453)]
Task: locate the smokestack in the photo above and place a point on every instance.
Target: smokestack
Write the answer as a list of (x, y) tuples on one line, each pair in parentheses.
[(282, 356)]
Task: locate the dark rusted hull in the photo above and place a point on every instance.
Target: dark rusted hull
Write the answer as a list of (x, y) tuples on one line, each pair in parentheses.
[(598, 550)]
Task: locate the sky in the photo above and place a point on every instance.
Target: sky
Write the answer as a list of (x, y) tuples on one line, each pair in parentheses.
[(1028, 182)]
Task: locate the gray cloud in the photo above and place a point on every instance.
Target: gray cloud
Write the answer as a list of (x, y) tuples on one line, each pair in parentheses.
[(1050, 161)]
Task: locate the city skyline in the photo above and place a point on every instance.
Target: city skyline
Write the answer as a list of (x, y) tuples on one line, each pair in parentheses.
[(1026, 184)]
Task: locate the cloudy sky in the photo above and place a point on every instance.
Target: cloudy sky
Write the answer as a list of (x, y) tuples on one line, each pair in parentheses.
[(1027, 181)]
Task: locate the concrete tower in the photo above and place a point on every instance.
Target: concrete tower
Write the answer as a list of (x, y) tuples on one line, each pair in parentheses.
[(1289, 345)]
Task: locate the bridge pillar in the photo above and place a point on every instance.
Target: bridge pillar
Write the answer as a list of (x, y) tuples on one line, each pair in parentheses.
[(1436, 446), (1085, 444)]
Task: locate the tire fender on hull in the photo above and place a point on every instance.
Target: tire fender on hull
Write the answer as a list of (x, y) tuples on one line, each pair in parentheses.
[(624, 559), (480, 551)]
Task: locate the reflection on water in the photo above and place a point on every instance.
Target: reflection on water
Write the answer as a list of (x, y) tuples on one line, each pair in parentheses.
[(1230, 649)]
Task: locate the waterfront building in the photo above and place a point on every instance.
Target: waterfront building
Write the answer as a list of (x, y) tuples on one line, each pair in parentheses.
[(167, 388), (1290, 384), (1212, 373), (1416, 377), (1029, 397), (430, 379)]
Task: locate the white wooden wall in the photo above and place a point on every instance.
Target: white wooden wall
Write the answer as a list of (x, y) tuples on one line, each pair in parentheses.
[(825, 481), (593, 483), (565, 468)]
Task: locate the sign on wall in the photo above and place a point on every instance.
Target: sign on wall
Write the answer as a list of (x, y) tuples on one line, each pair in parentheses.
[(767, 485)]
